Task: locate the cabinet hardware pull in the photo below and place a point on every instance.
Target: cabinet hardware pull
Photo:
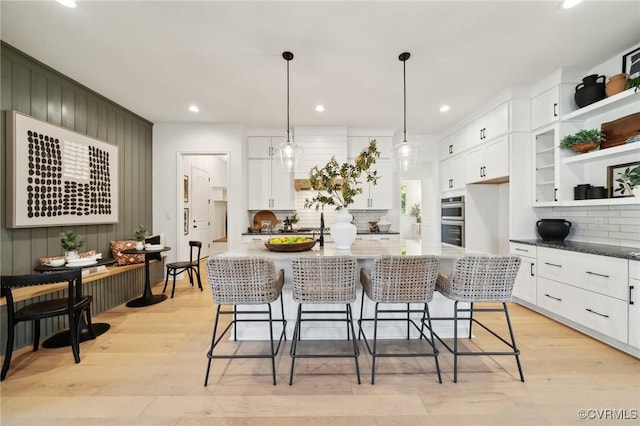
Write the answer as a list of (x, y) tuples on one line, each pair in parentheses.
[(555, 109), (554, 298), (552, 264), (555, 194), (594, 273), (631, 302), (597, 313), (532, 274), (450, 149), (519, 249)]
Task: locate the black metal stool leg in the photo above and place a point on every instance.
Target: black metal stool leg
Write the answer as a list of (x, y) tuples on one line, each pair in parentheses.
[(513, 341), (213, 343)]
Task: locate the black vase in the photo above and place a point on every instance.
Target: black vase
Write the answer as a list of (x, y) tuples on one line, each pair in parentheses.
[(553, 229), (590, 90)]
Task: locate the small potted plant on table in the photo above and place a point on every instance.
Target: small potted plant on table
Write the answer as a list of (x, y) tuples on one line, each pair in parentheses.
[(71, 241), (583, 141), (140, 235)]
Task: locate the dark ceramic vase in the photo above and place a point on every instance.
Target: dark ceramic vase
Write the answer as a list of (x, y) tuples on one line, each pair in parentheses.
[(592, 89), (553, 229)]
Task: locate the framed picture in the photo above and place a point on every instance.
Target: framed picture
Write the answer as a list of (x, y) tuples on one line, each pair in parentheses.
[(631, 63), (185, 189), (185, 222), (265, 225), (614, 173)]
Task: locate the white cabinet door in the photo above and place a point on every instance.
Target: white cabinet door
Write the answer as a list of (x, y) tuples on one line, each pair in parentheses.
[(381, 195), (282, 193), (545, 108), (634, 303), (259, 147), (259, 184), (490, 126), (525, 287), (474, 165), (452, 173), (495, 158)]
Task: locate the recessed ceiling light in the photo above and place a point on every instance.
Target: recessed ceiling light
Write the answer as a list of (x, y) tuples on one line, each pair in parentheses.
[(445, 108), (68, 3), (194, 108), (320, 108), (568, 4)]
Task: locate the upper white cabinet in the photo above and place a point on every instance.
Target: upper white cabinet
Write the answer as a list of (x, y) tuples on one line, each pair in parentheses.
[(453, 144), (319, 145), (490, 126), (355, 145), (268, 186), (380, 196), (488, 162), (548, 106), (452, 173)]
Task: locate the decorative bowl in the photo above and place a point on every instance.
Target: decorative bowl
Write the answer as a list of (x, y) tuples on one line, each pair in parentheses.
[(56, 263), (293, 247), (584, 146)]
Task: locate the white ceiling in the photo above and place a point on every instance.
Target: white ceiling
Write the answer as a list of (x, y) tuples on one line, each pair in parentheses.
[(157, 57)]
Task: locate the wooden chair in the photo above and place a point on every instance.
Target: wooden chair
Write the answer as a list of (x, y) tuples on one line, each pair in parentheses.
[(245, 281), (480, 279), (324, 281), (71, 306), (191, 267), (400, 280)]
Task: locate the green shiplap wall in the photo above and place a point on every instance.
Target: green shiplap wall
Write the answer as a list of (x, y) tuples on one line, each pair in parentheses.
[(33, 88)]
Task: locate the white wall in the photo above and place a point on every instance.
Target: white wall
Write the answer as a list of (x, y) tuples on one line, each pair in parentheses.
[(170, 141)]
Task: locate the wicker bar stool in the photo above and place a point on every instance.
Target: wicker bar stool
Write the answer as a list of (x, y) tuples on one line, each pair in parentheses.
[(324, 280), (480, 279), (245, 281), (404, 280)]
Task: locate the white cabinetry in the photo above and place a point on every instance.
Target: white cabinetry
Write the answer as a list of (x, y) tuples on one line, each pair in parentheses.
[(634, 303), (525, 287), (452, 173), (379, 196), (586, 289), (548, 106), (355, 145), (269, 186), (488, 162), (490, 126), (453, 144)]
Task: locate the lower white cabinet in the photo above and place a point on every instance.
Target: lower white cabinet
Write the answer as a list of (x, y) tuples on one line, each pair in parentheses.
[(525, 285), (634, 303)]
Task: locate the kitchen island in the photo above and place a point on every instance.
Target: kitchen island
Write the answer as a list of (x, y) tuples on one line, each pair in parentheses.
[(365, 252)]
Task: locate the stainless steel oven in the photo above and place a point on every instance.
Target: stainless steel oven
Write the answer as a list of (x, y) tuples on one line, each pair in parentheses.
[(452, 221)]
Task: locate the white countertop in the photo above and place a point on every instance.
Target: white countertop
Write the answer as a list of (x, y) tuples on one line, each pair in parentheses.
[(360, 249)]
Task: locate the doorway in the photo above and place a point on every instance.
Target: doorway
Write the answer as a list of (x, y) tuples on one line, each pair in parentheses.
[(411, 209), (204, 204)]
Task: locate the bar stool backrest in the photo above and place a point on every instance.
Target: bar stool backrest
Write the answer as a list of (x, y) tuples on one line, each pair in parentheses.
[(403, 279), (481, 279), (243, 280), (329, 280)]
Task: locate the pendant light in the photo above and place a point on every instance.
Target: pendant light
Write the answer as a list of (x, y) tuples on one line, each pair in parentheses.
[(406, 155), (288, 153)]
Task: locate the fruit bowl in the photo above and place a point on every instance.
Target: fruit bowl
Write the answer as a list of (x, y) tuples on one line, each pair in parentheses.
[(282, 245)]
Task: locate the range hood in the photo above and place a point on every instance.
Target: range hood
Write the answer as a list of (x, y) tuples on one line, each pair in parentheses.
[(305, 184)]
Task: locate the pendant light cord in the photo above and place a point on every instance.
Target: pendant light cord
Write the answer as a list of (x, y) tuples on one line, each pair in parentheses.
[(403, 57), (288, 56)]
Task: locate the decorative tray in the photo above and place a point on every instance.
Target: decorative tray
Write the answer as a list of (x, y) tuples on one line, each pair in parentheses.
[(265, 220), (290, 247)]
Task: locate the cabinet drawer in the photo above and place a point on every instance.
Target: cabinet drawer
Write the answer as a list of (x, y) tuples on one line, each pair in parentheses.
[(603, 314), (600, 274), (523, 249), (634, 269)]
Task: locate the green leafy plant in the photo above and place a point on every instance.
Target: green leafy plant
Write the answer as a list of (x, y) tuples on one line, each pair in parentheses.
[(141, 233), (628, 180), (591, 135), (340, 183), (416, 212), (633, 82), (293, 217), (71, 240)]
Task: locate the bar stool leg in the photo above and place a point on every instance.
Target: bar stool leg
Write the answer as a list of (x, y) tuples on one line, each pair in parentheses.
[(455, 342), (294, 342), (356, 351), (513, 341), (213, 343)]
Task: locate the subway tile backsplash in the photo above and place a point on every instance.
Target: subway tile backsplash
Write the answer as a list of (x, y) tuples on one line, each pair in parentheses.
[(612, 225)]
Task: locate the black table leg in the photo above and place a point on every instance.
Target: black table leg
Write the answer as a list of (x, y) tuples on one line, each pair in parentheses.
[(62, 339), (148, 298)]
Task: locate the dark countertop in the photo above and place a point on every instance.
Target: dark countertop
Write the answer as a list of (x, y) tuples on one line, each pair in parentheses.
[(631, 253), (326, 232)]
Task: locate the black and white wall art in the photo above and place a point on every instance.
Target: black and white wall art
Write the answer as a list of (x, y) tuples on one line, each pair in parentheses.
[(58, 177)]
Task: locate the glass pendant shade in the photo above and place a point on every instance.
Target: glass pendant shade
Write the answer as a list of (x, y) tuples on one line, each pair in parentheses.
[(288, 155), (406, 155)]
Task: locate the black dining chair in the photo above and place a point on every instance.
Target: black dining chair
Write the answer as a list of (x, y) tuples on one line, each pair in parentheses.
[(73, 306), (191, 267)]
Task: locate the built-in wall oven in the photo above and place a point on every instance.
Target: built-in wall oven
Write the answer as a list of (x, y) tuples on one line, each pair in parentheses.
[(452, 221)]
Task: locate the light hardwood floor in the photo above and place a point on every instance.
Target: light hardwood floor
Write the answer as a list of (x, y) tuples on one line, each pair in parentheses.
[(148, 369)]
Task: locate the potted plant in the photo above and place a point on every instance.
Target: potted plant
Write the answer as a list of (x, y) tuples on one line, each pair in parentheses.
[(71, 241), (140, 234), (293, 218), (583, 141), (416, 212), (629, 181), (338, 184)]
